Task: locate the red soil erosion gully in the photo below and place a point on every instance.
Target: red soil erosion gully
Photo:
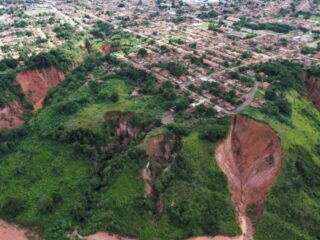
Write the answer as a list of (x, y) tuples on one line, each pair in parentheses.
[(250, 157), (313, 87), (35, 85)]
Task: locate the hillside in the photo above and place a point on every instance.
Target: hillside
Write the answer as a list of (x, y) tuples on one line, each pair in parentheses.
[(111, 149), (70, 162)]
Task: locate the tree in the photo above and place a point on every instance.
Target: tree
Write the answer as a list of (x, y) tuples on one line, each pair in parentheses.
[(181, 103), (42, 60), (246, 54), (271, 94), (164, 49), (283, 42), (8, 63), (284, 106), (214, 132), (308, 50), (64, 31), (169, 94), (142, 53), (176, 69), (114, 97), (12, 208)]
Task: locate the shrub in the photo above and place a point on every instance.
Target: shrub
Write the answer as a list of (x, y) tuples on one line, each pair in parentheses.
[(42, 60), (177, 129), (215, 132), (12, 208), (47, 205), (181, 103), (308, 50), (142, 53), (284, 106), (64, 31), (114, 97)]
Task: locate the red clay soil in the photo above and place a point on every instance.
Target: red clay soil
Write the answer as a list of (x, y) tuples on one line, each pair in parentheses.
[(35, 84), (10, 231), (160, 146), (313, 87), (107, 49), (105, 236), (217, 238), (99, 236), (10, 116), (251, 159)]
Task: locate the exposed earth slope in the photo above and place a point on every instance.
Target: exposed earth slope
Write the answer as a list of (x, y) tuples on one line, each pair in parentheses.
[(36, 83), (313, 87), (10, 116), (251, 159)]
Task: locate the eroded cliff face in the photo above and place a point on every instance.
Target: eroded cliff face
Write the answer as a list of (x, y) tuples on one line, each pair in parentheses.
[(122, 125), (10, 116), (107, 48), (313, 87), (160, 149), (36, 83), (251, 159)]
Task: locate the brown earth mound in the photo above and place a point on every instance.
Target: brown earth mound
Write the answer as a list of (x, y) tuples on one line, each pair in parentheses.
[(122, 125), (160, 147), (10, 231), (10, 116), (35, 84), (251, 159), (313, 87)]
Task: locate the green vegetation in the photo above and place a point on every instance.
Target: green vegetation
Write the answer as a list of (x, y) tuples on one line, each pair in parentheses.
[(101, 30), (215, 131), (9, 89), (275, 27), (283, 76), (176, 69), (63, 58), (64, 31), (216, 90), (308, 50), (207, 15), (243, 79), (142, 53)]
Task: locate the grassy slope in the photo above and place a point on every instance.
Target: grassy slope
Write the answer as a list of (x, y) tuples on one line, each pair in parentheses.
[(292, 209), (206, 178), (49, 167)]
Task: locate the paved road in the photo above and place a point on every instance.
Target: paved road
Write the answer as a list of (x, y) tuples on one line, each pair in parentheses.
[(249, 99)]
